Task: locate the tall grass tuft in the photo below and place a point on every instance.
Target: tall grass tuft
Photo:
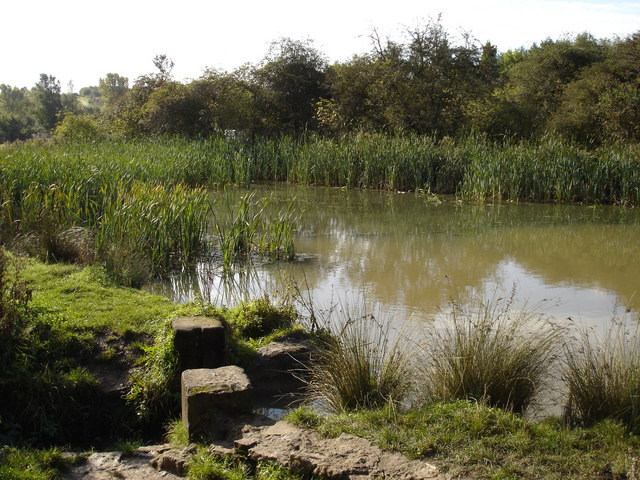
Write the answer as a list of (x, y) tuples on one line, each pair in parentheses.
[(489, 353), (603, 376), (359, 367)]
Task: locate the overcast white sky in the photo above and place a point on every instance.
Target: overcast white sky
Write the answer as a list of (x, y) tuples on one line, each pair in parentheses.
[(81, 41)]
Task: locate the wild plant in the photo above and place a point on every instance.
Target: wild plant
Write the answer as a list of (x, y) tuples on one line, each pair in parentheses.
[(244, 227), (602, 374), (359, 366), (488, 352)]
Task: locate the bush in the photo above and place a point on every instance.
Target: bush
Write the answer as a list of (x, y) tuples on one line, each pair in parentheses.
[(488, 353), (79, 128), (603, 376), (359, 367)]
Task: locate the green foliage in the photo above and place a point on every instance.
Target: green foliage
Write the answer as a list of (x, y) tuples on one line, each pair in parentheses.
[(146, 230), (47, 391), (176, 433), (50, 396), (205, 466), (603, 376), (243, 228), (289, 83), (260, 317), (23, 464), (78, 128), (112, 87), (86, 297), (490, 354), (424, 82), (47, 101), (154, 384)]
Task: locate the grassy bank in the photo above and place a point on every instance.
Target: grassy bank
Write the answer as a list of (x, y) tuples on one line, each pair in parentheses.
[(66, 331), (470, 440)]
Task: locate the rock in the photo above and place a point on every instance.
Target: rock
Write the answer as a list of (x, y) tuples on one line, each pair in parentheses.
[(281, 366), (174, 460), (207, 392), (199, 342), (110, 465), (347, 457)]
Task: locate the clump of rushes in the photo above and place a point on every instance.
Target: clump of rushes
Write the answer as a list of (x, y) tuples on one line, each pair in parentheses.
[(489, 353), (359, 367), (603, 376), (243, 228)]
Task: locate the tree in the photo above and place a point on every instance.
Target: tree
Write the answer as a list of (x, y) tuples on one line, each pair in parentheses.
[(288, 84), (164, 65), (420, 83), (535, 84), (230, 101), (112, 87), (47, 101)]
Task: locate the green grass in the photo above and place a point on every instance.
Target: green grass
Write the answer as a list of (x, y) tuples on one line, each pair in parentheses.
[(87, 298), (23, 464), (70, 324), (471, 440)]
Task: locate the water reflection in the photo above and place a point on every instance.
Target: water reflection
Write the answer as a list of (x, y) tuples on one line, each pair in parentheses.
[(405, 254)]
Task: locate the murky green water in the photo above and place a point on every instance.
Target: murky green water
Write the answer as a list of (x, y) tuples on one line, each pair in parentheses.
[(406, 255)]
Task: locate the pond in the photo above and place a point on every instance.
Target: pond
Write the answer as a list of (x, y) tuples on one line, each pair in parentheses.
[(407, 255)]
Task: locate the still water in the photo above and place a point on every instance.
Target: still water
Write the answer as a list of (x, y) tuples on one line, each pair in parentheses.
[(407, 255)]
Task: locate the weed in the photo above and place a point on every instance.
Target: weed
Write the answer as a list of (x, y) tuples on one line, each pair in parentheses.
[(261, 317), (603, 376), (359, 367), (176, 433), (489, 353), (205, 466), (28, 464), (154, 389)]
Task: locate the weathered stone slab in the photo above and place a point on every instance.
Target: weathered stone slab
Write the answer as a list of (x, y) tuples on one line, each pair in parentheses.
[(199, 341), (306, 453), (112, 465), (280, 367), (206, 392)]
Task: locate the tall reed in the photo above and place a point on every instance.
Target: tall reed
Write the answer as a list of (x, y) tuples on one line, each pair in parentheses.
[(244, 227)]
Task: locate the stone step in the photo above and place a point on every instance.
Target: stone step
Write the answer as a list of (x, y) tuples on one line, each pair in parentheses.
[(199, 342), (209, 392)]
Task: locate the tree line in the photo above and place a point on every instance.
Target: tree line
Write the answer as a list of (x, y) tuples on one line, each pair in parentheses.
[(424, 82)]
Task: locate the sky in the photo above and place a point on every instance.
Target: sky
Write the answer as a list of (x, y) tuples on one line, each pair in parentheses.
[(80, 41)]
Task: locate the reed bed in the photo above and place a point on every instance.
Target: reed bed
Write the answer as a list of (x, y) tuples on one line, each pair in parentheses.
[(243, 228), (65, 194)]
